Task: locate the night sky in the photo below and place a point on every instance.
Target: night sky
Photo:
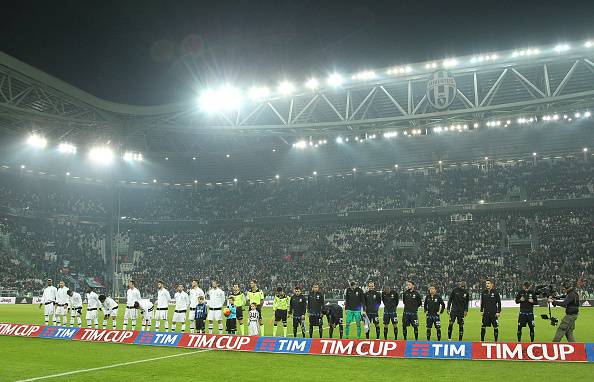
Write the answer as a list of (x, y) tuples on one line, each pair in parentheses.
[(153, 52)]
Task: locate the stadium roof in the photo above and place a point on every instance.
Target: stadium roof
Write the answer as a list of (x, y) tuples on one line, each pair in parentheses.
[(480, 92)]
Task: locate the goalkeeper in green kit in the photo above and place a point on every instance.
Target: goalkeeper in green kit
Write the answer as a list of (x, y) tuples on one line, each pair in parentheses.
[(354, 303)]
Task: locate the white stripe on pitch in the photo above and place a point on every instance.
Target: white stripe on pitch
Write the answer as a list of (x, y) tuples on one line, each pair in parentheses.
[(111, 366)]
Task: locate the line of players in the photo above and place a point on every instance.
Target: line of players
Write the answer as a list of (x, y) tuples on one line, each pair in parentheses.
[(362, 308)]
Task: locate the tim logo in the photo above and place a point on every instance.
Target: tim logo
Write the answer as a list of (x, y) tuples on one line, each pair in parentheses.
[(158, 338), (419, 350), (283, 345), (426, 349), (58, 332), (441, 89)]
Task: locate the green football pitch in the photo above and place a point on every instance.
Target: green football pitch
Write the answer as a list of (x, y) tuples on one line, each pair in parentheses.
[(44, 359)]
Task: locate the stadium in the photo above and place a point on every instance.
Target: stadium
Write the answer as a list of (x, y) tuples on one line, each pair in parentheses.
[(361, 222)]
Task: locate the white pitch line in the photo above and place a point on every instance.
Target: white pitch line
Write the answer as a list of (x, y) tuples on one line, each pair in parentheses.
[(111, 366)]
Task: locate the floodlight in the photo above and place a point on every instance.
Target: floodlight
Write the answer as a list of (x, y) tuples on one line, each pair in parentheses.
[(334, 80), (36, 141), (66, 148), (339, 140), (286, 88), (101, 155), (562, 48), (312, 83), (222, 99)]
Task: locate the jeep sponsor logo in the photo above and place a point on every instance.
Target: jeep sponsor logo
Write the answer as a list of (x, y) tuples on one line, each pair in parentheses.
[(20, 330), (7, 300), (102, 335)]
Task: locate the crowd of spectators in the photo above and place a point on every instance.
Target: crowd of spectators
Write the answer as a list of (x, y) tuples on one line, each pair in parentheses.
[(37, 249), (446, 185), (440, 250)]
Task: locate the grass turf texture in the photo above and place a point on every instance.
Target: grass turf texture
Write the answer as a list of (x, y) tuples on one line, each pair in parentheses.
[(22, 358)]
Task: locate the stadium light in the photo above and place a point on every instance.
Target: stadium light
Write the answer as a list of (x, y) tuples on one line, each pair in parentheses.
[(154, 180), (312, 84), (67, 173), (339, 140), (258, 93), (365, 75), (431, 65), (354, 169), (66, 148), (235, 180), (587, 114), (277, 176), (300, 145), (286, 88), (101, 155), (131, 156), (315, 173), (449, 62), (585, 149), (222, 99), (334, 80), (589, 44), (561, 48), (533, 154), (37, 141), (23, 167), (227, 155), (195, 181)]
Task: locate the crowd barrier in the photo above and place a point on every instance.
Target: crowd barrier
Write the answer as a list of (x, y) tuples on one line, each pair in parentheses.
[(542, 351)]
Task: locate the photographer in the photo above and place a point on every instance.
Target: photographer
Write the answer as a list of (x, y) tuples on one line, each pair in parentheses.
[(571, 304)]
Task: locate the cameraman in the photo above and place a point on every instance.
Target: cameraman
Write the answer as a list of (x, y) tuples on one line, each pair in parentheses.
[(571, 303)]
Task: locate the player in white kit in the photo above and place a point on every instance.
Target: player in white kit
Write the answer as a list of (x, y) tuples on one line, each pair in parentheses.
[(61, 304), (93, 304), (182, 301), (163, 299), (48, 300), (75, 305), (254, 320), (216, 301), (195, 292), (132, 296), (110, 310), (146, 308)]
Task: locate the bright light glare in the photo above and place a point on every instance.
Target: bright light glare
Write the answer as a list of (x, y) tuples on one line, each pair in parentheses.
[(589, 44), (338, 139), (258, 93), (133, 157), (101, 155), (36, 141), (334, 80), (66, 148), (300, 145), (561, 48), (312, 84), (286, 88), (221, 99), (450, 63)]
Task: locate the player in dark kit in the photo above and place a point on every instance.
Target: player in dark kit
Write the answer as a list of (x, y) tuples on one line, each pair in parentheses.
[(527, 299), (412, 301), (315, 301), (433, 306), (390, 300), (334, 314), (373, 300), (354, 302), (458, 309), (297, 308), (491, 309)]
